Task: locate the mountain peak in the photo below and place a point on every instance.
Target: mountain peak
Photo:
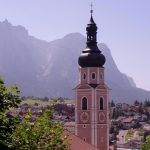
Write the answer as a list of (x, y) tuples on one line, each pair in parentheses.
[(74, 35), (18, 31), (6, 23)]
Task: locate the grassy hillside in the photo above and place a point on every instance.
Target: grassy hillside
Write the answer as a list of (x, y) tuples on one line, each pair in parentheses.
[(43, 103)]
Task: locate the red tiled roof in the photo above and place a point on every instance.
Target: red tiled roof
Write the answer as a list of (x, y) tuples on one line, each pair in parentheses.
[(78, 144), (69, 123), (127, 120)]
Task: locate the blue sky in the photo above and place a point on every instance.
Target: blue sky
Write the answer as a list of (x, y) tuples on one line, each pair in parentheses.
[(124, 25)]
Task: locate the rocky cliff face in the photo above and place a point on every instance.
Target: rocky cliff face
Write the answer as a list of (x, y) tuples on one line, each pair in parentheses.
[(43, 68)]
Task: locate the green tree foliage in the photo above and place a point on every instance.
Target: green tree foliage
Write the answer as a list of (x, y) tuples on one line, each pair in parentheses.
[(147, 103), (43, 133), (147, 145), (141, 108), (54, 100), (9, 98), (136, 103), (46, 99), (112, 104), (39, 133), (116, 113)]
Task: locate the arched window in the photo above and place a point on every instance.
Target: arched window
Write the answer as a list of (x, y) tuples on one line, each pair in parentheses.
[(84, 103), (101, 76), (93, 76), (101, 104), (84, 76)]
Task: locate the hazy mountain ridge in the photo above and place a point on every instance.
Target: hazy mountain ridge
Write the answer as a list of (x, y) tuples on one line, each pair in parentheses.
[(43, 68)]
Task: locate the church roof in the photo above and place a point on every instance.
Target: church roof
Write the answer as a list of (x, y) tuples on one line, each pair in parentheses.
[(103, 87), (83, 86), (77, 143), (90, 86)]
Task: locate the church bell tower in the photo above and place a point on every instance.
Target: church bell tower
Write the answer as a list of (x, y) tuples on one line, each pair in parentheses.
[(91, 110)]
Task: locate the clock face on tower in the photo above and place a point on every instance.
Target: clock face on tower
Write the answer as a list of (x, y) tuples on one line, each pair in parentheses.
[(101, 117), (84, 117)]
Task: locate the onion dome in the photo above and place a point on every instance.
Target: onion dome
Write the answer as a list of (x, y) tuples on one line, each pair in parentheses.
[(91, 56)]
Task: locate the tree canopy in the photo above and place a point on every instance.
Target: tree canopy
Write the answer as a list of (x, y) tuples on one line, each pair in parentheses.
[(9, 98), (147, 145), (32, 132), (43, 133)]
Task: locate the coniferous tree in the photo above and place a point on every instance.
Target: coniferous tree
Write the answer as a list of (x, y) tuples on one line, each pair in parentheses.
[(112, 104)]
